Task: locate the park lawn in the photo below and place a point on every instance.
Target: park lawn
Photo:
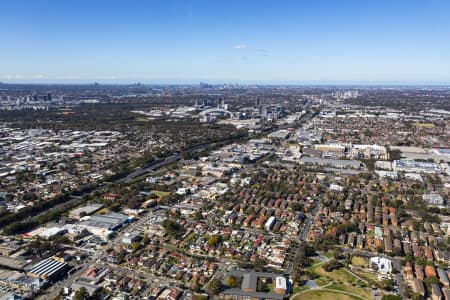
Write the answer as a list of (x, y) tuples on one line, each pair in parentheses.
[(161, 193), (142, 119), (323, 295), (342, 280), (103, 211), (298, 288), (363, 292), (329, 254), (425, 125), (335, 275), (321, 281), (369, 276), (359, 261)]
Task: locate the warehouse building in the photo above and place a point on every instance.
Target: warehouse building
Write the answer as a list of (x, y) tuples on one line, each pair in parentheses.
[(48, 269), (79, 212), (104, 225), (112, 221), (14, 263)]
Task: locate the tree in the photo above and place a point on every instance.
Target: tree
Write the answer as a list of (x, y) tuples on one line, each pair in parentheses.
[(387, 284), (259, 264), (333, 264), (215, 286), (198, 215), (172, 228), (146, 239), (231, 282), (81, 294), (417, 296), (135, 246), (391, 297), (214, 240)]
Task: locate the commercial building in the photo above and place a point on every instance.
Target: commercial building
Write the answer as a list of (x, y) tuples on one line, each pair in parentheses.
[(415, 166), (337, 163), (433, 198)]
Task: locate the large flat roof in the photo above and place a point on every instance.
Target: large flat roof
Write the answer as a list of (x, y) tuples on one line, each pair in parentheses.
[(355, 164), (88, 209), (47, 267), (13, 262), (106, 221)]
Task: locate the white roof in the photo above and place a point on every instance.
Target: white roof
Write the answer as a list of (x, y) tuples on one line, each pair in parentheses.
[(280, 283)]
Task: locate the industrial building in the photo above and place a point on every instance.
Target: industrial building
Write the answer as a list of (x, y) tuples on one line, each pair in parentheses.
[(79, 212), (14, 263), (48, 269), (103, 225), (112, 221)]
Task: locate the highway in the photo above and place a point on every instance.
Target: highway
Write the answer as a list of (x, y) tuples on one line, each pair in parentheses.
[(176, 157)]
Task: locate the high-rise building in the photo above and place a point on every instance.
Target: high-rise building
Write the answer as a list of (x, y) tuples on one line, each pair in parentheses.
[(257, 102), (222, 102), (49, 97)]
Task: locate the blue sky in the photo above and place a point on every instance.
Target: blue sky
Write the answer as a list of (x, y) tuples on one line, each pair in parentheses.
[(279, 41)]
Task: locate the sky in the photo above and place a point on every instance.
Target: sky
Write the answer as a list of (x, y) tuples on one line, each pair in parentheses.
[(239, 41)]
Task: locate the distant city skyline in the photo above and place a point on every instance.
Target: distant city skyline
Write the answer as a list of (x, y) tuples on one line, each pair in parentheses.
[(247, 42)]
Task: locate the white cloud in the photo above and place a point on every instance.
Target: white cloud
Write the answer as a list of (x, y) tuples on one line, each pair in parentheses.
[(257, 51)]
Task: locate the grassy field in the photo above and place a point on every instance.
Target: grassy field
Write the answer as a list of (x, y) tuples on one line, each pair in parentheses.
[(103, 211), (323, 295), (297, 288), (369, 276), (342, 281), (424, 125), (336, 275), (161, 193), (321, 281), (358, 261), (142, 119), (355, 289)]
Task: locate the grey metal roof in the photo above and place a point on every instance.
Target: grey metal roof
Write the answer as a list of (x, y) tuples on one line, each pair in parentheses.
[(249, 281), (47, 267)]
